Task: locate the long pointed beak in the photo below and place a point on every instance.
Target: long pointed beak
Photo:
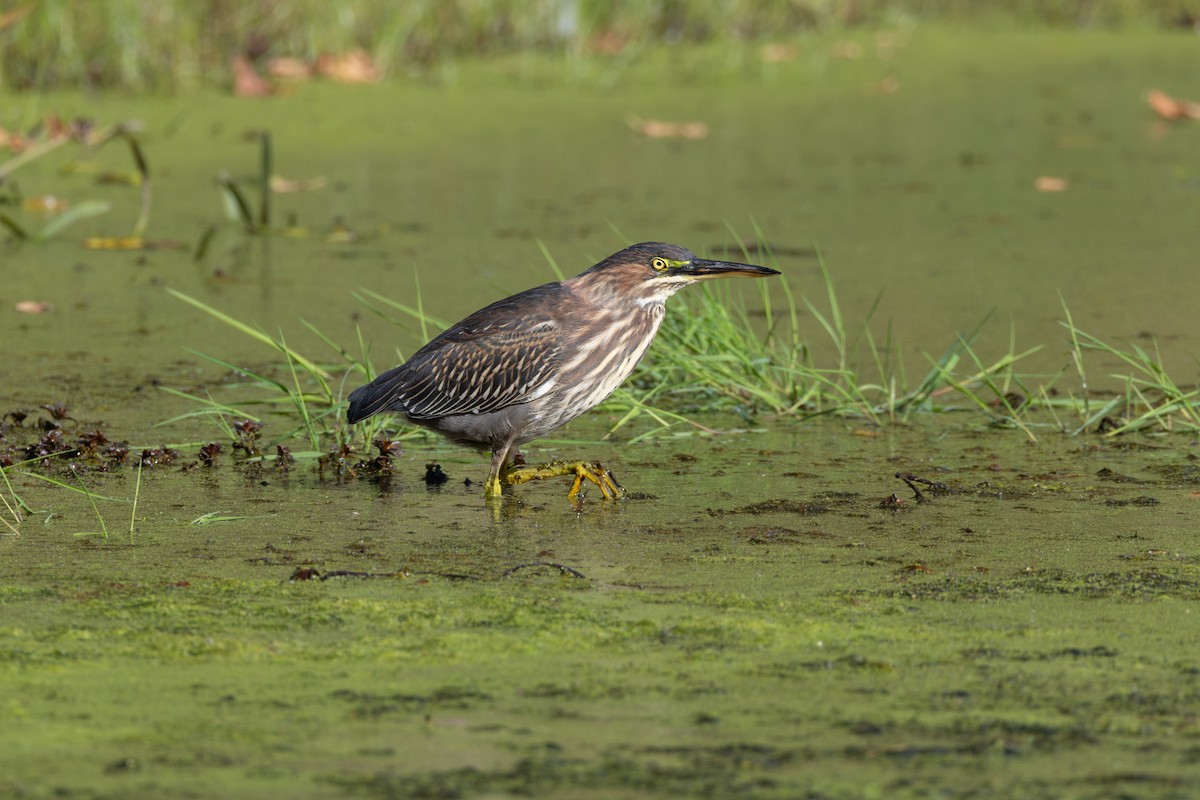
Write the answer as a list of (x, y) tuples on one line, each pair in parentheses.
[(702, 269)]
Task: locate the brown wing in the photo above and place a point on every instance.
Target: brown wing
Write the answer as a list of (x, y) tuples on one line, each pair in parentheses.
[(497, 357)]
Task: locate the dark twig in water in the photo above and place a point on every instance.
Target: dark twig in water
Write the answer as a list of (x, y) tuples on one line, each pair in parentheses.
[(206, 238), (311, 574), (574, 573), (912, 480), (126, 131), (264, 180), (347, 573)]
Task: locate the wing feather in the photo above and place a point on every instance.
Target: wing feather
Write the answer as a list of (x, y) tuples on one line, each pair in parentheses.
[(493, 359)]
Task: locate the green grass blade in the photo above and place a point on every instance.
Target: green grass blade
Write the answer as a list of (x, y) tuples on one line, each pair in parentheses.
[(254, 333), (86, 209), (91, 495), (137, 493)]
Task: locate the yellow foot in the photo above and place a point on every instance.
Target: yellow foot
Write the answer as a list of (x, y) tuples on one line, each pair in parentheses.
[(493, 488), (582, 470)]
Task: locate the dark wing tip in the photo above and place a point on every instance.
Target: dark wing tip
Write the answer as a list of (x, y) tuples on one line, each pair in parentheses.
[(365, 402)]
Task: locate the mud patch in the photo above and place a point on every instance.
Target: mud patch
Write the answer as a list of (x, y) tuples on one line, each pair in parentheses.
[(1131, 585)]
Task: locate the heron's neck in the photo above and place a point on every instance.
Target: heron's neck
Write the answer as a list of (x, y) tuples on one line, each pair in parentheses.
[(608, 294)]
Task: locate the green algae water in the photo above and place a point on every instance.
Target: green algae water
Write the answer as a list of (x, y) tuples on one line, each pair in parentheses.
[(755, 622), (770, 614)]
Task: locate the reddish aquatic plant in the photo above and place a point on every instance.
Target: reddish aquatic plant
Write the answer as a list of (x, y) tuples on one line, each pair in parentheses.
[(158, 457), (247, 431), (387, 447), (91, 441), (50, 444), (116, 453), (57, 411), (208, 453)]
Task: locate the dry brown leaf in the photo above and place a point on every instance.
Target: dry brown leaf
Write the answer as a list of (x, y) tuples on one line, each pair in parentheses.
[(246, 80), (663, 129), (777, 53), (848, 51), (889, 85), (1171, 108), (608, 43), (10, 17), (1047, 183), (281, 185), (353, 67), (288, 68), (15, 142), (46, 203), (55, 127), (887, 43), (34, 307)]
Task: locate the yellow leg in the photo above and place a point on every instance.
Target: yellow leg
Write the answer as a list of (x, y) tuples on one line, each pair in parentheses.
[(582, 470), (494, 488)]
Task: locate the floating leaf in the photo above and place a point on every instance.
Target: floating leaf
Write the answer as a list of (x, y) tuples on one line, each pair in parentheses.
[(115, 243), (46, 203), (1170, 108), (281, 185), (1047, 183), (662, 129)]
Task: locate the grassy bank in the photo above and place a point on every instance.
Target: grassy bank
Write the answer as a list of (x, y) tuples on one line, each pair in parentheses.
[(140, 44)]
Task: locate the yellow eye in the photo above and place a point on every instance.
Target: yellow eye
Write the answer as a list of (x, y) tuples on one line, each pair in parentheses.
[(659, 264)]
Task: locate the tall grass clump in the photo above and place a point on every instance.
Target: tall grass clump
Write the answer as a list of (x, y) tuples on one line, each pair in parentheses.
[(1149, 399), (716, 355), (306, 393)]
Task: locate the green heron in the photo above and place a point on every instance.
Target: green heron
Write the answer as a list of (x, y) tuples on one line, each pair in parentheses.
[(523, 366)]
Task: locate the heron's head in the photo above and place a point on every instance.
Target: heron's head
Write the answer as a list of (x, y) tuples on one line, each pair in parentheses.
[(650, 272)]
